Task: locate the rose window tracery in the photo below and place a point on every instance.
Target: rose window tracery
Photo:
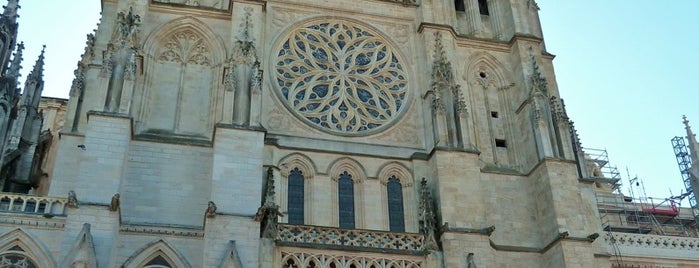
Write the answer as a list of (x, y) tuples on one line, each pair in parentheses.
[(341, 77)]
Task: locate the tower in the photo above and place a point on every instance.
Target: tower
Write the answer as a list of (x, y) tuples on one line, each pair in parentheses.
[(319, 134)]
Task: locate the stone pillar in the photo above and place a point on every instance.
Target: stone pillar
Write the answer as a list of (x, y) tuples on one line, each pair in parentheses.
[(496, 18), (236, 183), (104, 153), (474, 17), (241, 98)]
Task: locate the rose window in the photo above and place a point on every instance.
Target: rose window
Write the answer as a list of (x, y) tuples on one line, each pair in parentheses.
[(340, 76)]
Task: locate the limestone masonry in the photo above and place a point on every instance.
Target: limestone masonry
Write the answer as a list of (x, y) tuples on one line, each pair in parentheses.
[(314, 134)]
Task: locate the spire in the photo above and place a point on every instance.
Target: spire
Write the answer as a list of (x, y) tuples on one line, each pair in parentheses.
[(38, 71), (16, 64), (10, 10), (693, 145)]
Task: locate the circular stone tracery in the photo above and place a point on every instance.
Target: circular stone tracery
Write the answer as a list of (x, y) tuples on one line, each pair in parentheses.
[(340, 76)]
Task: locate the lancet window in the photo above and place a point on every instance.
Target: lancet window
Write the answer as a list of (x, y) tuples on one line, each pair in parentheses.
[(396, 215), (345, 192), (295, 196)]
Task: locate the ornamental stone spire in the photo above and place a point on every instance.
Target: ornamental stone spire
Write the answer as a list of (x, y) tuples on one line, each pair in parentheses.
[(10, 11), (16, 64), (38, 70), (692, 139)]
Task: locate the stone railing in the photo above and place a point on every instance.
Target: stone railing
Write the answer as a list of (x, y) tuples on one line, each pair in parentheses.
[(353, 238), (29, 204), (652, 245)]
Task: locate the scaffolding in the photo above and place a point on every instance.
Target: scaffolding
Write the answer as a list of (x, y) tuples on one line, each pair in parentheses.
[(635, 213), (684, 161)]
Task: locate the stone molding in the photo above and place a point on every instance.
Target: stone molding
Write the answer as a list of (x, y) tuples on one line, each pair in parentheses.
[(161, 230)]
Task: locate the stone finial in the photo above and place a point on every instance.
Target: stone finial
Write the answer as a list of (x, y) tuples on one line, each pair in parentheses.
[(10, 10), (128, 24), (16, 64), (428, 221), (269, 191), (72, 199), (78, 81), (692, 140), (82, 253), (539, 83), (38, 71), (211, 210), (244, 50), (114, 204)]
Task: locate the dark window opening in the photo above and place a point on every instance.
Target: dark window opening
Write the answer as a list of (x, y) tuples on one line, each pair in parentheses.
[(500, 143), (494, 114), (295, 197), (396, 217), (483, 7), (345, 192), (459, 5)]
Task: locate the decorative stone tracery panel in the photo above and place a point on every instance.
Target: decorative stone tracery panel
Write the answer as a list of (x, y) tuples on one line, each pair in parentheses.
[(319, 260), (340, 76)]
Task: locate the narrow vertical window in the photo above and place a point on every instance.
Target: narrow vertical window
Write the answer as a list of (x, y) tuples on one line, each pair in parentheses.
[(345, 193), (295, 196), (483, 7), (396, 218)]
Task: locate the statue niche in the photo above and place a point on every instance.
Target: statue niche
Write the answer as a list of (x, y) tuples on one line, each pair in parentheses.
[(181, 76)]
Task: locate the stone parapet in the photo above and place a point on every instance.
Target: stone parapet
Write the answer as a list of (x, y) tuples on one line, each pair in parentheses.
[(644, 245), (29, 204), (369, 240)]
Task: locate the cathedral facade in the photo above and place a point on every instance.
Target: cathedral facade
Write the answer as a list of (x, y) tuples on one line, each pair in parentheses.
[(363, 134)]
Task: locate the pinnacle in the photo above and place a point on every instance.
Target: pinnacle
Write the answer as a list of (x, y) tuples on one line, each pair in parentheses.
[(10, 10), (15, 66), (38, 70)]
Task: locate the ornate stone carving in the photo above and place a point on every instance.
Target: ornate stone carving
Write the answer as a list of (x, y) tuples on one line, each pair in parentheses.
[(243, 72), (340, 76), (82, 254), (120, 57), (72, 199), (268, 214), (115, 203), (428, 217), (204, 4), (449, 106), (211, 210), (325, 260), (186, 46), (16, 65), (351, 238)]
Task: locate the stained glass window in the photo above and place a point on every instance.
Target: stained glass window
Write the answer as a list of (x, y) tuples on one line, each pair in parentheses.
[(295, 197), (395, 205), (345, 191), (340, 76)]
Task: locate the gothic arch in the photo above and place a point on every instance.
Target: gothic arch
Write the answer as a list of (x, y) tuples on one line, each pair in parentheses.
[(31, 247), (157, 36), (308, 169), (300, 161), (491, 66), (183, 66), (158, 248), (347, 164), (395, 169)]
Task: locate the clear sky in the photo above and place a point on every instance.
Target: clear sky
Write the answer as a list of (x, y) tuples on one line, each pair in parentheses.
[(627, 71)]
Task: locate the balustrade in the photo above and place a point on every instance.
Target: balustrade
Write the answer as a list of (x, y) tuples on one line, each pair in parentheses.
[(29, 204), (305, 234)]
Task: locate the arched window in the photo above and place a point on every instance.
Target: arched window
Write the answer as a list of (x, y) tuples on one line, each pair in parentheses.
[(15, 258), (396, 217), (295, 196), (345, 192), (158, 262)]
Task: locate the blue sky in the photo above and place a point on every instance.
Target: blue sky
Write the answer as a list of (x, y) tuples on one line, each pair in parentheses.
[(626, 69)]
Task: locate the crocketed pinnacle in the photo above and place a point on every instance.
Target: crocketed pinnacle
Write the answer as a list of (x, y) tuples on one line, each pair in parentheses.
[(38, 71), (10, 10), (16, 64), (693, 145)]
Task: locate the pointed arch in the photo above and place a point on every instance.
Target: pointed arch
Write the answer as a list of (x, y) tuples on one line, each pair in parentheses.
[(398, 170), (300, 161), (231, 258), (83, 250), (296, 195), (484, 63), (347, 164), (155, 38), (348, 198), (183, 66), (158, 250), (19, 242)]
